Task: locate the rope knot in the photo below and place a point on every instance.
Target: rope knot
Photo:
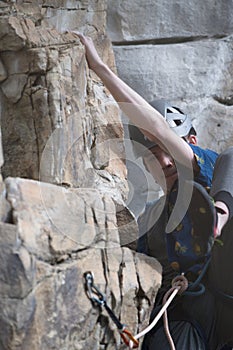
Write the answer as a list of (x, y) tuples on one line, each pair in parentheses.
[(182, 282)]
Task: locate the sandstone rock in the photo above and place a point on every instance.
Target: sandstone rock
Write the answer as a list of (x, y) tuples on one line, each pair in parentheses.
[(67, 222), (17, 280), (12, 35), (57, 137), (14, 256), (1, 151), (14, 86), (44, 257), (3, 72), (212, 118), (190, 70), (88, 16), (147, 20), (5, 207)]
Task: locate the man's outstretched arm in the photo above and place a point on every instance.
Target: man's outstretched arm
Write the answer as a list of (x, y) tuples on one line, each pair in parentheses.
[(140, 113)]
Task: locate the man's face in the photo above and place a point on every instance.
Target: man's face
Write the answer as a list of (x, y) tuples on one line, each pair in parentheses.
[(162, 167)]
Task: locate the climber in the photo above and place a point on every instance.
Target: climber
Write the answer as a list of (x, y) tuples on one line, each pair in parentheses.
[(195, 322)]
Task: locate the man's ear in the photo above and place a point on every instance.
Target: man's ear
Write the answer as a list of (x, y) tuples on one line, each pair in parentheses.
[(192, 139)]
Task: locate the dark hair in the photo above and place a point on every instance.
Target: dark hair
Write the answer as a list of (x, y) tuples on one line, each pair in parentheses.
[(192, 131)]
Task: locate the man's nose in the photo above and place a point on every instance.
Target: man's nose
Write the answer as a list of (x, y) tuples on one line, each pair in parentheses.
[(166, 161)]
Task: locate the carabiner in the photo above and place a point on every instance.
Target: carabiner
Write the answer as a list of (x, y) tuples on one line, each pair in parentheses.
[(93, 293), (127, 336)]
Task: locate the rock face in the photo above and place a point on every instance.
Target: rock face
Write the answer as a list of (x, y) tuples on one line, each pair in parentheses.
[(62, 207), (46, 81), (58, 235), (180, 51)]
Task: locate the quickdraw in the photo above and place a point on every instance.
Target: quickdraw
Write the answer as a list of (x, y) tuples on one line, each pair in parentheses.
[(98, 298), (180, 285)]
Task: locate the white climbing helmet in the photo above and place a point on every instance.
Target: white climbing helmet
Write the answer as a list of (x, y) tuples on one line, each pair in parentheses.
[(179, 122)]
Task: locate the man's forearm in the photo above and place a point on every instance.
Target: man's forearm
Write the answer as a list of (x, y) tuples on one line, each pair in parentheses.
[(133, 105)]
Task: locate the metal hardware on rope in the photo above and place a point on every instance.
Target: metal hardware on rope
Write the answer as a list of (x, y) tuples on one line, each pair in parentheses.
[(93, 293), (97, 297), (180, 285)]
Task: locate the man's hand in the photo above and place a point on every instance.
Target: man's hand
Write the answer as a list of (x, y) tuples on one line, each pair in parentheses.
[(223, 216), (93, 59)]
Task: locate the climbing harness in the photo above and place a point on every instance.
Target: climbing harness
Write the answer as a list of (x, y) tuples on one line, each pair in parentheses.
[(180, 285), (98, 298)]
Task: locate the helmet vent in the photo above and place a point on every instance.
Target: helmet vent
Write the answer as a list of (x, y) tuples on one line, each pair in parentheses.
[(174, 110)]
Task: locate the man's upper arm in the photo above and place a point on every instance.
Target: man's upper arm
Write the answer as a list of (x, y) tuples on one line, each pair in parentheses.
[(174, 145)]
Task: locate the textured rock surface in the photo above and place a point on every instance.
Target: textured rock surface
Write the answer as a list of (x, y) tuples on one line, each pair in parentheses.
[(46, 81), (172, 20), (62, 131), (180, 51), (58, 235)]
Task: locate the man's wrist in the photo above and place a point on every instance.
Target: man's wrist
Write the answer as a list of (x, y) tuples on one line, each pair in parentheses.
[(222, 216), (100, 68)]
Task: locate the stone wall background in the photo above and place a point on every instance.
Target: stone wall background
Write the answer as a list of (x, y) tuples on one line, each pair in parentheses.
[(181, 51)]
